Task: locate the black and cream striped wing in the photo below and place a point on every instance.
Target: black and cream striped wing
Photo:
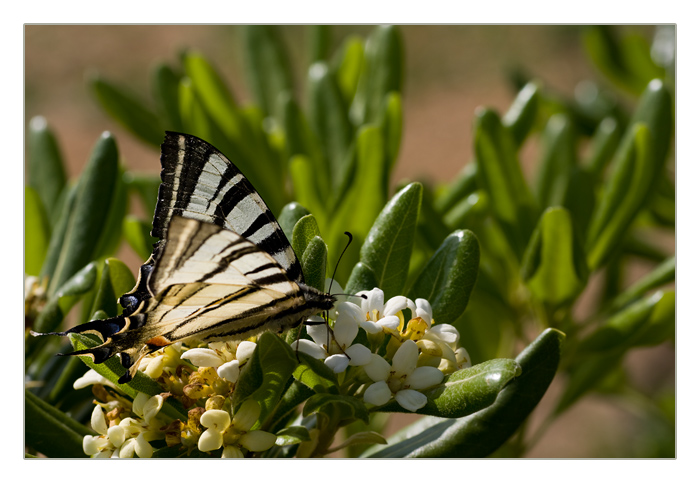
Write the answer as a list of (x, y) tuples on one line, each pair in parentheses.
[(211, 283), (200, 183)]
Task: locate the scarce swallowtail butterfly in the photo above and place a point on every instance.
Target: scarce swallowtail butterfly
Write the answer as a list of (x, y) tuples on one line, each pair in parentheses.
[(222, 270)]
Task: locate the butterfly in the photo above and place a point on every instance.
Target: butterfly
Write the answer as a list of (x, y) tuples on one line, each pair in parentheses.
[(222, 270)]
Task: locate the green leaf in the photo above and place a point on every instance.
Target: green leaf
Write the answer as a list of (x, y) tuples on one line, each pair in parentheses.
[(267, 66), (521, 116), (462, 186), (138, 235), (129, 111), (313, 263), (344, 407), (112, 370), (605, 140), (304, 177), (194, 118), (664, 273), (111, 236), (469, 212), (449, 276), (480, 434), (387, 249), (292, 435), (290, 216), (115, 281), (320, 37), (382, 73), (214, 94), (45, 426), (621, 330), (391, 121), (315, 375), (623, 197), (165, 85), (465, 391), (146, 187), (347, 66), (87, 220), (305, 230), (266, 374), (502, 179), (328, 118), (58, 233), (558, 160), (65, 298), (554, 265), (36, 232), (655, 109), (45, 170)]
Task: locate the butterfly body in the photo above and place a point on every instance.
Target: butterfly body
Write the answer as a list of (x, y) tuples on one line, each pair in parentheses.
[(223, 269)]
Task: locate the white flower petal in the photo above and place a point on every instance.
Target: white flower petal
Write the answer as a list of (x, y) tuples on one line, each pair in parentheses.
[(410, 399), (377, 369), (215, 419), (391, 322), (424, 377), (371, 327), (374, 301), (152, 407), (446, 333), (127, 449), (210, 440), (345, 331), (258, 440), (462, 358), (201, 357), (406, 358), (139, 402), (245, 351), (308, 347), (395, 305), (90, 445), (337, 362), (378, 393), (155, 367), (319, 333), (232, 452), (91, 377), (424, 310), (116, 435), (229, 371), (350, 311), (98, 421), (359, 355), (143, 447)]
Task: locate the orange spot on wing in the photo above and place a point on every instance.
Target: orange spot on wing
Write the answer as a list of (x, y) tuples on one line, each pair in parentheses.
[(158, 341)]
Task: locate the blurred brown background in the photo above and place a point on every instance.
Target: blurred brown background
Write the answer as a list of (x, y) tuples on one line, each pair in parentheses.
[(449, 72)]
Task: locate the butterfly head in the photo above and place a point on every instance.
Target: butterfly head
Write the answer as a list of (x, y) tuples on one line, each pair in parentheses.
[(320, 301)]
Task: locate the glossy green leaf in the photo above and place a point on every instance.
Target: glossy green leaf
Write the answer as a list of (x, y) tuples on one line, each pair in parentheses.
[(116, 280), (449, 276), (315, 375), (65, 298), (37, 232), (313, 263), (304, 179), (502, 179), (164, 87), (87, 220), (267, 67), (624, 194), (465, 391), (343, 407), (391, 121), (292, 435), (387, 249), (480, 434), (522, 114), (44, 426), (347, 66), (655, 109), (138, 235), (382, 73), (558, 160), (111, 235), (469, 212), (290, 216), (266, 374), (329, 119), (112, 369), (664, 273), (554, 265), (46, 173), (126, 109), (661, 325), (194, 118), (304, 231), (605, 140)]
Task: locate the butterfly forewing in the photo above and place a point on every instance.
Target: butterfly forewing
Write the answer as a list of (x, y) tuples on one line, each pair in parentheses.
[(200, 183)]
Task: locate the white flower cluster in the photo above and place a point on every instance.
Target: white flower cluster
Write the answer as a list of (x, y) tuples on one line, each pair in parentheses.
[(420, 353)]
